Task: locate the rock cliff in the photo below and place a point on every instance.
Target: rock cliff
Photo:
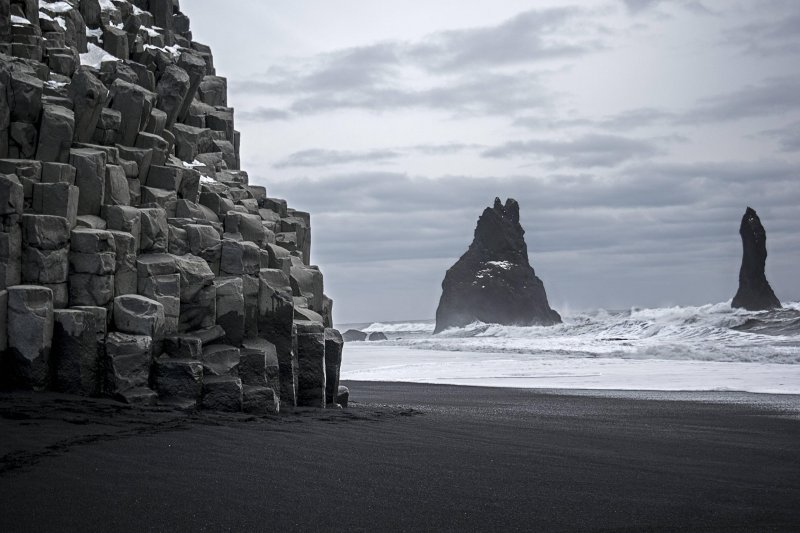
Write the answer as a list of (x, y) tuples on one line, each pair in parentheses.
[(493, 281), (136, 259), (755, 293)]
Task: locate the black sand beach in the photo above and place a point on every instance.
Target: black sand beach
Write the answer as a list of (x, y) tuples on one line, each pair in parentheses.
[(406, 457)]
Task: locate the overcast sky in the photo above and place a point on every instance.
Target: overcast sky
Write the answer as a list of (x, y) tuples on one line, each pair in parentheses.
[(632, 132)]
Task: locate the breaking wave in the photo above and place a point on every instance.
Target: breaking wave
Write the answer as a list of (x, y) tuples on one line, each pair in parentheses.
[(713, 332)]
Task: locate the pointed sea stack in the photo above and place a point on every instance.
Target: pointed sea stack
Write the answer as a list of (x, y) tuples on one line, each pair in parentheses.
[(754, 292), (493, 282)]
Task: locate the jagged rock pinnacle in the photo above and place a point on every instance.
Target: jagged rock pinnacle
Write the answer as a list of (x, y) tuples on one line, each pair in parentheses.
[(755, 293), (493, 281)]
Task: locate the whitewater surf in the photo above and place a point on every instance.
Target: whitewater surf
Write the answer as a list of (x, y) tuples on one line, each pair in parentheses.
[(710, 347)]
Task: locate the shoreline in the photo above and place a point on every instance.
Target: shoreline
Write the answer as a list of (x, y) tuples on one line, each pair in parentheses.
[(408, 457)]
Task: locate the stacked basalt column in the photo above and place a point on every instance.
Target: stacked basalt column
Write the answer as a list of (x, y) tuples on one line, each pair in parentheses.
[(136, 260)]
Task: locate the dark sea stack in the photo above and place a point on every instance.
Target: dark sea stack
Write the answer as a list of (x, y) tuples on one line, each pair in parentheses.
[(754, 292), (494, 282)]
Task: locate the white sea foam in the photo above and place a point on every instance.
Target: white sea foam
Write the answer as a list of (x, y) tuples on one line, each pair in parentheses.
[(710, 347)]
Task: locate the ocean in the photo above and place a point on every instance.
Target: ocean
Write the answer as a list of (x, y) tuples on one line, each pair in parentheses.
[(706, 348)]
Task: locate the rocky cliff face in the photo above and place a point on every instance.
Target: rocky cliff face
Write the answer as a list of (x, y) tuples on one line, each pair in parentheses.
[(755, 293), (493, 281), (136, 260)]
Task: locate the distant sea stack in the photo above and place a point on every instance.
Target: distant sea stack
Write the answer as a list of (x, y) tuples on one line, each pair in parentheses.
[(754, 292), (494, 282)]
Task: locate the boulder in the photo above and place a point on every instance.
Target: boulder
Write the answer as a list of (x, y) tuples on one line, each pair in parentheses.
[(138, 315), (493, 281), (353, 335), (755, 293), (343, 398), (377, 336)]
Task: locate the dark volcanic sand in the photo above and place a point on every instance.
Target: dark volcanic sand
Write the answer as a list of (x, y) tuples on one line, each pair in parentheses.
[(405, 457)]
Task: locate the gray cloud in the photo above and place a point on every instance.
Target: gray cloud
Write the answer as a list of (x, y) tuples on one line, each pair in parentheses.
[(788, 137), (592, 150), (263, 114), (467, 69), (321, 158), (318, 157), (528, 37), (640, 6), (624, 121), (773, 96), (779, 35)]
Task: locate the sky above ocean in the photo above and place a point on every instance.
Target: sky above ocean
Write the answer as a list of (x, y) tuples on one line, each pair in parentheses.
[(633, 133)]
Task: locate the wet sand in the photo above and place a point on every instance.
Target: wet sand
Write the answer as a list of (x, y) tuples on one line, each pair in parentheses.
[(407, 457)]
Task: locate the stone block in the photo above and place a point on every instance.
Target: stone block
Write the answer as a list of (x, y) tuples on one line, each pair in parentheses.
[(89, 97), (213, 91), (90, 290), (166, 290), (44, 266), (239, 258), (220, 360), (141, 157), (90, 177), (333, 362), (57, 199), (172, 89), (249, 226), (230, 308), (275, 324), (127, 362), (116, 191), (125, 219), (11, 195), (160, 147), (91, 241), (138, 315), (30, 335), (125, 276), (308, 282), (204, 242), (178, 378), (260, 400), (75, 355), (311, 364), (45, 232), (154, 235), (55, 134), (134, 104), (58, 173), (191, 141), (222, 393)]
